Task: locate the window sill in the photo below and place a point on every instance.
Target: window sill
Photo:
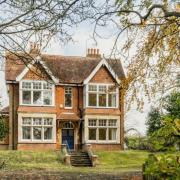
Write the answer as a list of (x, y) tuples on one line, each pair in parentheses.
[(68, 108), (94, 107), (103, 142), (32, 105), (36, 142)]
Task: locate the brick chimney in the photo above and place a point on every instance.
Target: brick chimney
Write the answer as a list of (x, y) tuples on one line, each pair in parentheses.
[(93, 53), (34, 48)]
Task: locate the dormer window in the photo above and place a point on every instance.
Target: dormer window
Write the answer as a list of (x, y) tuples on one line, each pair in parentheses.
[(36, 93), (102, 96)]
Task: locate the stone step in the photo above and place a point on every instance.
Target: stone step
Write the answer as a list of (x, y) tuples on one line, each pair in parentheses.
[(80, 159)]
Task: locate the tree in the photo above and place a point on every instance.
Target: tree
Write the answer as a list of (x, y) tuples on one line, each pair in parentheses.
[(172, 105), (153, 34), (168, 136), (152, 31), (4, 130), (22, 21), (154, 121)]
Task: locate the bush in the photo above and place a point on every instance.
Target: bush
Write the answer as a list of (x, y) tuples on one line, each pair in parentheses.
[(137, 143), (3, 128), (162, 166)]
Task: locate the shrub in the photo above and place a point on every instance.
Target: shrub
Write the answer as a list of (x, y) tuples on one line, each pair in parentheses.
[(137, 143), (3, 128), (162, 166)]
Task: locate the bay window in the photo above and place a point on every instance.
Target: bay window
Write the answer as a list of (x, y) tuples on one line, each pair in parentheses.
[(102, 96), (37, 129), (37, 93), (100, 130)]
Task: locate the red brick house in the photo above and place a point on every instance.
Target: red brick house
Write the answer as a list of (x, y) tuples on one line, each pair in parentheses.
[(63, 99)]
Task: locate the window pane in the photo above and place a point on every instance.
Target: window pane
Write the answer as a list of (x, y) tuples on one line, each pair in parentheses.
[(48, 121), (37, 121), (37, 133), (112, 122), (37, 85), (26, 97), (92, 99), (47, 85), (112, 134), (26, 121), (112, 100), (36, 97), (47, 133), (102, 133), (68, 90), (102, 122), (92, 134), (26, 85), (47, 99), (26, 132), (68, 100), (102, 100), (92, 88), (92, 122), (111, 89), (102, 88)]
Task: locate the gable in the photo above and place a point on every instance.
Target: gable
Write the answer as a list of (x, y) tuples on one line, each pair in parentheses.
[(36, 72), (102, 76)]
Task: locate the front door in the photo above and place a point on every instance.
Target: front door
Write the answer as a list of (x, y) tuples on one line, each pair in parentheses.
[(68, 138)]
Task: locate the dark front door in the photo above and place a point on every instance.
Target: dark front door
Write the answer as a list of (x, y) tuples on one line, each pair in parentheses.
[(68, 138)]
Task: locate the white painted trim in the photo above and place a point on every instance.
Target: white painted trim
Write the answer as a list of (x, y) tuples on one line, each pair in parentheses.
[(32, 115), (72, 89), (29, 66), (86, 129), (97, 95), (20, 94), (101, 63)]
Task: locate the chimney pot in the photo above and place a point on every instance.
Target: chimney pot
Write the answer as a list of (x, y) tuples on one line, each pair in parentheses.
[(94, 51), (91, 52)]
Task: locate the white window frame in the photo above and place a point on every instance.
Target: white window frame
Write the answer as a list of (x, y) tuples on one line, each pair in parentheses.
[(31, 90), (97, 96), (107, 127), (31, 140), (68, 107)]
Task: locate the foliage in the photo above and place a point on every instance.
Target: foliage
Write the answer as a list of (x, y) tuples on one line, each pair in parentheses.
[(163, 166), (137, 143), (153, 121), (172, 105), (167, 137), (3, 128), (154, 36)]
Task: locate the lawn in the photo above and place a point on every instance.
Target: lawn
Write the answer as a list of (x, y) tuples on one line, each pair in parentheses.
[(117, 161)]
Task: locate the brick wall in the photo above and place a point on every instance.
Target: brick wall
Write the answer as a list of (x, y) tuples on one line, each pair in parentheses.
[(36, 146), (102, 76), (107, 147)]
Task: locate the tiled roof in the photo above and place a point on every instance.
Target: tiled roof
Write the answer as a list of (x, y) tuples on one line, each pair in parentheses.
[(68, 116), (68, 69)]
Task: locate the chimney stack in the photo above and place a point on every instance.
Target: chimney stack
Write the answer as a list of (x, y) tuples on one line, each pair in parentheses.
[(93, 53), (34, 48)]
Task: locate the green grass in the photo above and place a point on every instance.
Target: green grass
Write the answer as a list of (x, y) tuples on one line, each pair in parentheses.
[(108, 162)]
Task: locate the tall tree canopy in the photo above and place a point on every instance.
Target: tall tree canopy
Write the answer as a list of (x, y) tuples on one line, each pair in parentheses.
[(151, 30)]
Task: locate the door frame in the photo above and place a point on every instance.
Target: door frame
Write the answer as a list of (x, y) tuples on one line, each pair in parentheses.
[(66, 127)]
